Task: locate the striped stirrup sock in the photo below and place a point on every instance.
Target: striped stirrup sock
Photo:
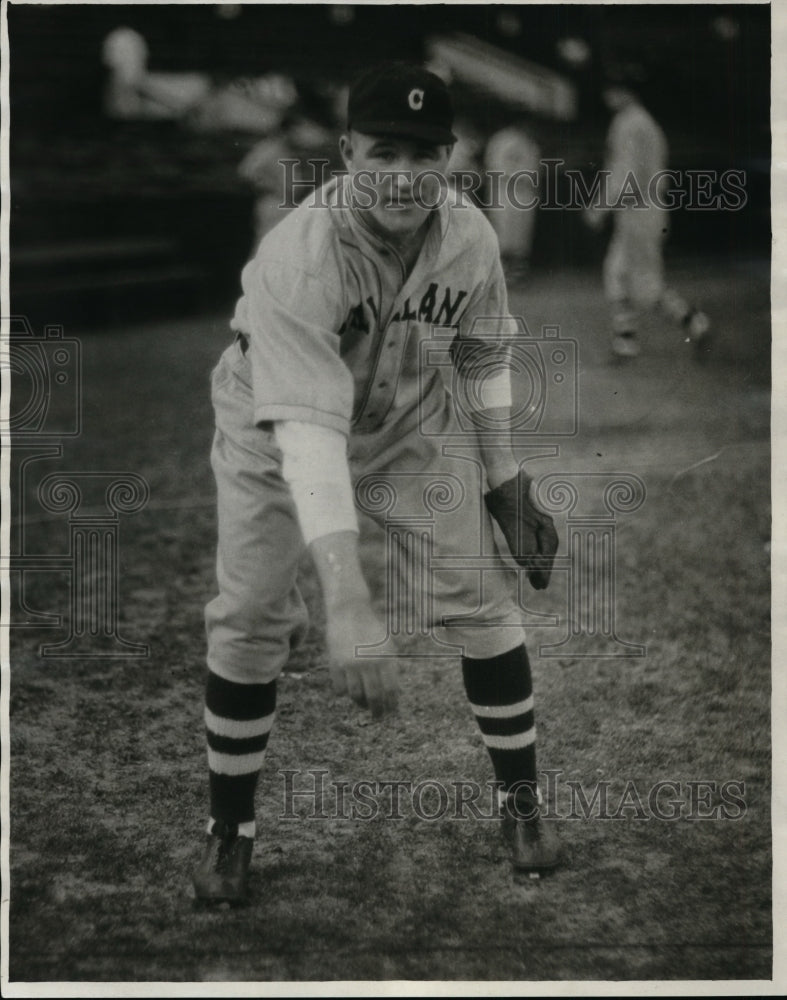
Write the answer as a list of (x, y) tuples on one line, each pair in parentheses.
[(500, 691), (238, 721)]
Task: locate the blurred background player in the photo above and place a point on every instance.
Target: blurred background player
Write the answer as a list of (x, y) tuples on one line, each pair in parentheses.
[(511, 152), (262, 168), (633, 271), (133, 92), (274, 182), (467, 159)]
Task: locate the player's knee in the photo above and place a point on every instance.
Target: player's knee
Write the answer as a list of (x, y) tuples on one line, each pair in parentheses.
[(252, 649), (255, 619), (242, 668)]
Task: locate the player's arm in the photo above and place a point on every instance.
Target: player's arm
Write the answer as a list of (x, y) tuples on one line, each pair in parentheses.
[(314, 464), (481, 367), (529, 533), (624, 145), (492, 421), (303, 387), (619, 162)]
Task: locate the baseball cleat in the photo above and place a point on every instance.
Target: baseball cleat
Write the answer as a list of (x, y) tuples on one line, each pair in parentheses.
[(533, 843), (625, 345), (222, 874)]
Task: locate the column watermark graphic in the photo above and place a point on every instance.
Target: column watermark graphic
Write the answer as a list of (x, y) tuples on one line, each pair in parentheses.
[(407, 503), (591, 503), (92, 558), (45, 413)]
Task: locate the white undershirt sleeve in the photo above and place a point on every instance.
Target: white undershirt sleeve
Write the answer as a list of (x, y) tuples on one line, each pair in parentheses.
[(491, 393), (314, 466)]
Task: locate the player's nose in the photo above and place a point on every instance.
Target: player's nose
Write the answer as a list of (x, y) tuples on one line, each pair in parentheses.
[(405, 172)]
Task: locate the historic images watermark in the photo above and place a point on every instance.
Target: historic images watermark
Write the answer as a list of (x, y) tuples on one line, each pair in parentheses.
[(549, 188), (313, 795), (46, 412)]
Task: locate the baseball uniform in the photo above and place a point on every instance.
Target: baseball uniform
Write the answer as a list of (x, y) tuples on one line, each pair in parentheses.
[(636, 153), (511, 152), (330, 332), (633, 271)]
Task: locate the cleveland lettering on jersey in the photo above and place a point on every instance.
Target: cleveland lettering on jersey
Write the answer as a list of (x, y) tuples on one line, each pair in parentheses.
[(447, 313)]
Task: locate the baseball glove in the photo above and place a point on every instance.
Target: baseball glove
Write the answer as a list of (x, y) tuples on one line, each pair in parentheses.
[(530, 534)]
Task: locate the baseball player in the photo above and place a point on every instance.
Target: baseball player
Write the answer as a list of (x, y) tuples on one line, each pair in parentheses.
[(321, 386), (512, 151), (633, 270)]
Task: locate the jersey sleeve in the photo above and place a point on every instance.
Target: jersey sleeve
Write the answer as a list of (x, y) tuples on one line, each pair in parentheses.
[(479, 351), (292, 319), (490, 300)]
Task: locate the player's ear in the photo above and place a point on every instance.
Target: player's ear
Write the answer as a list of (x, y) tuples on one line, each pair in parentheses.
[(346, 150)]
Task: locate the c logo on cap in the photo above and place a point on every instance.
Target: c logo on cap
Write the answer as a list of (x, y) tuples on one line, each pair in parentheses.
[(416, 99)]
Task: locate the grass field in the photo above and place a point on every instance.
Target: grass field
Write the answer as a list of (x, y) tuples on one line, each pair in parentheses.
[(108, 786)]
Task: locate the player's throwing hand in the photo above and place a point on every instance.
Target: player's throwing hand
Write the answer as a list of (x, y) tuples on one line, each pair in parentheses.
[(371, 682)]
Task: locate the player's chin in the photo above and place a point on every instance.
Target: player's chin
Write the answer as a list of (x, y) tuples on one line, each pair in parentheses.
[(403, 217)]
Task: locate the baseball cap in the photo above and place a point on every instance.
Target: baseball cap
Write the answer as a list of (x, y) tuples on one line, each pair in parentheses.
[(403, 99)]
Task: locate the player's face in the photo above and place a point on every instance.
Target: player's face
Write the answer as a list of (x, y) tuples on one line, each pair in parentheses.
[(399, 181)]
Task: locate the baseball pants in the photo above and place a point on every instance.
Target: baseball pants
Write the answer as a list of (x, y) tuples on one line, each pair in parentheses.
[(403, 479)]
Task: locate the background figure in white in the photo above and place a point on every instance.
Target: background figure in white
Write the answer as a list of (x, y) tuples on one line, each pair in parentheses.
[(262, 168), (134, 93), (509, 152), (276, 185), (634, 263), (467, 158)]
